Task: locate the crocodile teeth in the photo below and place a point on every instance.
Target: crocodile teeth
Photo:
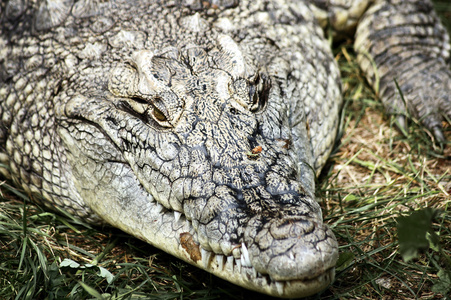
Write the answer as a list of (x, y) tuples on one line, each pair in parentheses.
[(205, 257), (238, 265), (159, 208), (229, 263), (177, 216), (187, 223), (236, 252), (245, 260), (254, 273), (220, 261), (226, 248), (279, 287)]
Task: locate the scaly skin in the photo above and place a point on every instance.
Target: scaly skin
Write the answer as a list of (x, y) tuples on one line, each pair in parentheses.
[(199, 130)]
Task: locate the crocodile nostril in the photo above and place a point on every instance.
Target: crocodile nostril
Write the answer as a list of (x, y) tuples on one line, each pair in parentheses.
[(233, 111)]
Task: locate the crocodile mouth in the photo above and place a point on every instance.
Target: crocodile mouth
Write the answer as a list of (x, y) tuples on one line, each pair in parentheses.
[(237, 267), (240, 271)]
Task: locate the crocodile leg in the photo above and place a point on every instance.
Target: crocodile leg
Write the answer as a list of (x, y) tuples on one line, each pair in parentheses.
[(404, 51)]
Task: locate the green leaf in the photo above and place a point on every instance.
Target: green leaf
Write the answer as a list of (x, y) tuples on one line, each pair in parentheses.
[(434, 241), (344, 260), (74, 265), (55, 277), (412, 232), (91, 291), (443, 284), (69, 263), (106, 274), (351, 197)]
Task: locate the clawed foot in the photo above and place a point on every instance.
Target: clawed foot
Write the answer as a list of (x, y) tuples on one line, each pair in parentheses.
[(425, 97)]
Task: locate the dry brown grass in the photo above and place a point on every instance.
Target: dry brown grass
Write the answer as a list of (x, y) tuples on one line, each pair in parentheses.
[(376, 175)]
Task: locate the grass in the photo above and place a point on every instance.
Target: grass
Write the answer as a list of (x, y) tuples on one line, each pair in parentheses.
[(374, 176)]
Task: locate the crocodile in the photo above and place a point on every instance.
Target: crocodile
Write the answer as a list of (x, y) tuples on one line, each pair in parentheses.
[(199, 127)]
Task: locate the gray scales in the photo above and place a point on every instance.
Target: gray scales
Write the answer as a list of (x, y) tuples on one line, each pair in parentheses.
[(200, 127)]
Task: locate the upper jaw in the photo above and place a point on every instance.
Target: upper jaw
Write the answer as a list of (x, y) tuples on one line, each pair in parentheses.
[(284, 257), (284, 251)]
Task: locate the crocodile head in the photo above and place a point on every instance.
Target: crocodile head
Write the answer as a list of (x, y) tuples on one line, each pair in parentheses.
[(194, 152)]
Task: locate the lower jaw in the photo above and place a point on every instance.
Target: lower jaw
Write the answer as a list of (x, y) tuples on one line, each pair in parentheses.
[(232, 270)]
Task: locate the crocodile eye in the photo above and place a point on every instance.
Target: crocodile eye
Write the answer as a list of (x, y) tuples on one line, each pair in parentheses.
[(159, 115), (146, 111), (259, 93), (255, 99)]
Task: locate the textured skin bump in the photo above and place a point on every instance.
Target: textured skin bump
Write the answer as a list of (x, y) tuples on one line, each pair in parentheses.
[(199, 127)]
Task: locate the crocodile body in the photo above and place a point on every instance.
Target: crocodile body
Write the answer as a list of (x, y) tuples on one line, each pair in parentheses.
[(200, 128)]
